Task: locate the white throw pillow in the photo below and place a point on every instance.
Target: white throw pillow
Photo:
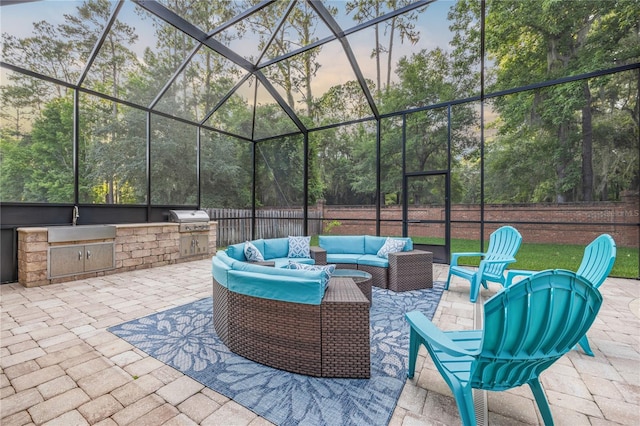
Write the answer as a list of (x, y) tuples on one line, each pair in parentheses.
[(299, 247), (328, 270), (392, 245), (252, 253)]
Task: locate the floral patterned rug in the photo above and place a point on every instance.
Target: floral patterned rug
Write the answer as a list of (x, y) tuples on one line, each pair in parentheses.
[(184, 338)]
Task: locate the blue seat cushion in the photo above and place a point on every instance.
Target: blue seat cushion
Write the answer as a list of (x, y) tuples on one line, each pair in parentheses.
[(373, 260), (343, 258)]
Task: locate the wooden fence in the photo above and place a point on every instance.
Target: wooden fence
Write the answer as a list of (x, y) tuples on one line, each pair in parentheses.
[(234, 225)]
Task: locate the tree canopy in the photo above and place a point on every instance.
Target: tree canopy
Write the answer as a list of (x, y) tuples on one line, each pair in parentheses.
[(177, 110)]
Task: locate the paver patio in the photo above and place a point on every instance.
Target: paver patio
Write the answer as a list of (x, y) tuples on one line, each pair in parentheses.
[(59, 365)]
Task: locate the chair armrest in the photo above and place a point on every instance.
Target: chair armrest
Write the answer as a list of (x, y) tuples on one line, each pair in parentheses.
[(512, 273), (455, 256), (318, 254), (433, 336)]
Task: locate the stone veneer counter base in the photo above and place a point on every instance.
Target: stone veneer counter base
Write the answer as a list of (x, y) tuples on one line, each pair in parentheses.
[(137, 246)]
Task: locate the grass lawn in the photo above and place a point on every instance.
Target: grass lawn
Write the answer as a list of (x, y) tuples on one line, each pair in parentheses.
[(549, 256)]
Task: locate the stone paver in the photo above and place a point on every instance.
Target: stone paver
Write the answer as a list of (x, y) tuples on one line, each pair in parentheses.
[(198, 407), (157, 416), (56, 386), (58, 405), (100, 408), (85, 369), (61, 367), (137, 389), (67, 419), (20, 357), (179, 390), (19, 402), (104, 381), (137, 409), (37, 377)]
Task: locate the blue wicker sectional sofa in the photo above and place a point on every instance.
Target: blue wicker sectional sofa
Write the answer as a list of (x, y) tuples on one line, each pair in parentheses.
[(403, 270), (305, 321)]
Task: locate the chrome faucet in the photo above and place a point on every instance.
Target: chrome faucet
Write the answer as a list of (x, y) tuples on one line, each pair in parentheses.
[(76, 215)]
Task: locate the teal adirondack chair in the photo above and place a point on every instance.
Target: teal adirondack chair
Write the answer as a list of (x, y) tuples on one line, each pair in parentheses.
[(529, 326), (504, 243), (597, 261)]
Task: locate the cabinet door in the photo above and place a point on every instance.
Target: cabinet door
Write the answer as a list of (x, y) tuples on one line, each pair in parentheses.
[(186, 245), (98, 257), (201, 243), (66, 260)]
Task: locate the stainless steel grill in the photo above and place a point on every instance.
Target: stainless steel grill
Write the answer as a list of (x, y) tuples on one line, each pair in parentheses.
[(190, 220)]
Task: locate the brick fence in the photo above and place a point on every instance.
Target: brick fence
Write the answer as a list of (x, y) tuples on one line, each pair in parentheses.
[(570, 223)]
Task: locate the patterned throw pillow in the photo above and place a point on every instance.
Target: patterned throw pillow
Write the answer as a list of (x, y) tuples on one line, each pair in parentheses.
[(299, 247), (252, 253), (392, 245), (328, 270)]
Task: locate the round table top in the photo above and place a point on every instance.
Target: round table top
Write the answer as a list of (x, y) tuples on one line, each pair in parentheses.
[(351, 273)]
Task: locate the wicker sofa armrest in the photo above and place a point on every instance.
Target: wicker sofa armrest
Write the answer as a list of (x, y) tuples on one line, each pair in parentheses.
[(410, 270), (318, 254)]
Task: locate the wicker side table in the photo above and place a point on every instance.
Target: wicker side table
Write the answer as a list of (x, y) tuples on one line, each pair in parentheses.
[(318, 254), (346, 348), (410, 270)]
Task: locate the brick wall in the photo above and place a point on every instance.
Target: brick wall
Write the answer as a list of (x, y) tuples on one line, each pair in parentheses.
[(570, 223)]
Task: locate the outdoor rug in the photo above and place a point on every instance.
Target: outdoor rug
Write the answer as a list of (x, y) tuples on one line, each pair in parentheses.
[(185, 339)]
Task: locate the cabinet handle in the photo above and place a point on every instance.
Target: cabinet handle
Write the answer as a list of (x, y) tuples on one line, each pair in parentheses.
[(79, 255), (88, 254)]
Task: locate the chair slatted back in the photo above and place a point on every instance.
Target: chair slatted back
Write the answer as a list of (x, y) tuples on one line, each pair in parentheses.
[(598, 260), (504, 241), (531, 324)]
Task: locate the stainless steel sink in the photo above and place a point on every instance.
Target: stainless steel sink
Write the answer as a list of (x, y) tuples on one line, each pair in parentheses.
[(59, 234)]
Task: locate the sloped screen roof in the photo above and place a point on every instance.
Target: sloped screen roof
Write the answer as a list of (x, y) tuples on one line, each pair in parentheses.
[(255, 69)]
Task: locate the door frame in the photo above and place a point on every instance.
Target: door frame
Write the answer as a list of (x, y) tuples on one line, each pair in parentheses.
[(441, 253)]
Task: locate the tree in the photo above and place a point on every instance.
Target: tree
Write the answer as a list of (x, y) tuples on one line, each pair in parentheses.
[(51, 154), (531, 42), (365, 10), (293, 75), (114, 62)]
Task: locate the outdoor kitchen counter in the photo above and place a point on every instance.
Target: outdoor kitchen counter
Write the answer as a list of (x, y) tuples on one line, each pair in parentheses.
[(136, 246)]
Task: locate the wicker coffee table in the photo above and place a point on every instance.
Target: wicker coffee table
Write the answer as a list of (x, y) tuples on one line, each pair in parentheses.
[(361, 278)]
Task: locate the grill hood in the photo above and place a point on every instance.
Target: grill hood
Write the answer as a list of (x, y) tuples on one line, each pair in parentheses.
[(188, 216)]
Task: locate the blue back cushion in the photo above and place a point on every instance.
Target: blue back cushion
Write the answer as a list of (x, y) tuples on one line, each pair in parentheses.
[(236, 251), (276, 247), (408, 245), (342, 244), (372, 244)]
